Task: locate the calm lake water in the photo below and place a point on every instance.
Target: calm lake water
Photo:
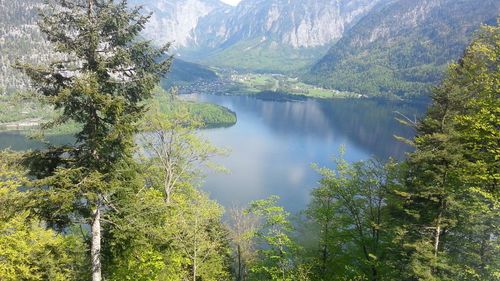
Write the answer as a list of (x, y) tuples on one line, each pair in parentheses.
[(274, 143)]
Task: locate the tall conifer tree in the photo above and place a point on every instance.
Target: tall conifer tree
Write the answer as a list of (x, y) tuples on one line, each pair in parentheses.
[(452, 180), (102, 84)]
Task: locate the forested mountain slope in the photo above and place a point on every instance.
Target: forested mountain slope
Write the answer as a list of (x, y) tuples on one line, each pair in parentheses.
[(402, 47)]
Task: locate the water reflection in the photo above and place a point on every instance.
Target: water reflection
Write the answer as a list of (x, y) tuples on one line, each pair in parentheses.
[(17, 140), (274, 143)]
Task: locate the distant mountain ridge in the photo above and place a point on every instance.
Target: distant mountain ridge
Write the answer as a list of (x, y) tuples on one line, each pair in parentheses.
[(256, 34), (371, 47), (403, 46), (295, 23)]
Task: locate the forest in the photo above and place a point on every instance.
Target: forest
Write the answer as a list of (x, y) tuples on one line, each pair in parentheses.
[(124, 202)]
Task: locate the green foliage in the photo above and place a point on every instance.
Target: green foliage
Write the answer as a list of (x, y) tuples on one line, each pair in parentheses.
[(241, 230), (276, 249), (280, 86), (374, 81), (207, 114), (439, 211), (28, 251), (173, 150), (19, 107), (101, 85), (200, 236), (452, 190), (102, 94), (183, 72), (166, 229), (152, 239), (26, 112), (352, 213), (433, 217)]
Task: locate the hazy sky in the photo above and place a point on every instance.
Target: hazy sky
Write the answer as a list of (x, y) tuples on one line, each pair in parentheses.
[(231, 2)]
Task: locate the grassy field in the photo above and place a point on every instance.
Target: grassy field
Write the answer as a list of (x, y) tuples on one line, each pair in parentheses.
[(268, 55), (253, 83)]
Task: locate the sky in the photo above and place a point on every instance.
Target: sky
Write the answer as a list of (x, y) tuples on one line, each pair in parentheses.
[(231, 2)]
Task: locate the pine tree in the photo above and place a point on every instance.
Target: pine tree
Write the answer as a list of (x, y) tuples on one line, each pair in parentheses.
[(452, 181), (102, 84)]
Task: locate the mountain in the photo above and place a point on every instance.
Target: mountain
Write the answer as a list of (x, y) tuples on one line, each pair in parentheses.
[(186, 72), (403, 46), (175, 20), (21, 40), (274, 34), (296, 23)]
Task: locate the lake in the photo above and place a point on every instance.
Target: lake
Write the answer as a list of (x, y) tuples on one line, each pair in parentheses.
[(275, 142)]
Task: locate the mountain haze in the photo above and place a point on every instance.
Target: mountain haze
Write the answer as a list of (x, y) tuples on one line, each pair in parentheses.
[(371, 47), (256, 34), (276, 35), (175, 20), (295, 23)]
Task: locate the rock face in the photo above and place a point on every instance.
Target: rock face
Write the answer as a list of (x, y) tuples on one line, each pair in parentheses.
[(175, 20), (216, 33), (20, 40), (295, 23), (273, 35), (403, 46)]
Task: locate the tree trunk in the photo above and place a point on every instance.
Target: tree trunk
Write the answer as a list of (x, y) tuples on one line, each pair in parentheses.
[(167, 190), (95, 250), (90, 7), (437, 234), (239, 263), (194, 270), (325, 250), (436, 240)]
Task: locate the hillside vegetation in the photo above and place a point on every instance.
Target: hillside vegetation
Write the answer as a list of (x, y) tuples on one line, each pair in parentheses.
[(402, 48)]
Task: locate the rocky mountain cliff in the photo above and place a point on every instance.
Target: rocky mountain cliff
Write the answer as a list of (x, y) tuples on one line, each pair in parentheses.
[(22, 41), (175, 20), (379, 46), (402, 47), (295, 23), (256, 34), (275, 35)]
